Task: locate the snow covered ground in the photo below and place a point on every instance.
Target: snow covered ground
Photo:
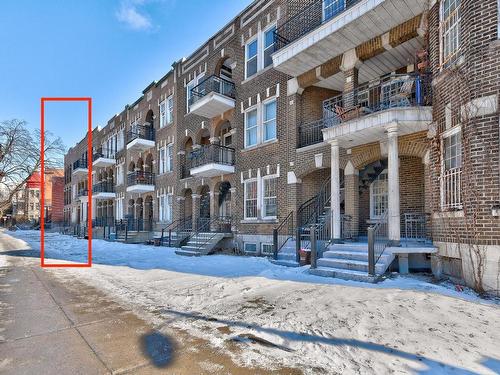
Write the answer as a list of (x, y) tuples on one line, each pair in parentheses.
[(278, 316)]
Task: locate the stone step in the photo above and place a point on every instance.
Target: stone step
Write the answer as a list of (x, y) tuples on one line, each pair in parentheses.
[(287, 256), (346, 254), (286, 263), (346, 264), (188, 253), (344, 274), (349, 246)]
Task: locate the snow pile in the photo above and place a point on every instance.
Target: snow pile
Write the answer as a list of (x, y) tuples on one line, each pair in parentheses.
[(282, 316)]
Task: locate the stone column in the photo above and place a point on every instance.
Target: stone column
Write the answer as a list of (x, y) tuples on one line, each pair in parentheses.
[(196, 210), (335, 189), (393, 185), (214, 208), (351, 197), (350, 66), (233, 209)]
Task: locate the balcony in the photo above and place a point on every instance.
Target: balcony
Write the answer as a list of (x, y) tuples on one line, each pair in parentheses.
[(80, 168), (141, 138), (103, 158), (83, 195), (140, 182), (328, 28), (212, 97), (360, 116), (103, 190), (212, 160)]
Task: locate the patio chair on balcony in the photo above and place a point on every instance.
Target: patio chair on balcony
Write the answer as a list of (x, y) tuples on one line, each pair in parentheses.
[(349, 113), (402, 98)]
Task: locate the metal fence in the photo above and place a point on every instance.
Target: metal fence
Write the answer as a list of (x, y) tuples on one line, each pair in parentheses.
[(212, 84)]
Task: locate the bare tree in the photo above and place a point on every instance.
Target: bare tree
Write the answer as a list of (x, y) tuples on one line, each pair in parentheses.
[(20, 156)]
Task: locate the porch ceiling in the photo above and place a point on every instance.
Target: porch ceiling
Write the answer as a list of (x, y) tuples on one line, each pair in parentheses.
[(384, 63), (356, 25)]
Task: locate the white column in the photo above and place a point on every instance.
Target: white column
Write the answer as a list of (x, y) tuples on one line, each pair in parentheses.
[(335, 189), (393, 184)]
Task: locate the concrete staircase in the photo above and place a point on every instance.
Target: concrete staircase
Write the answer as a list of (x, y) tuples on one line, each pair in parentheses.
[(201, 244), (132, 237), (349, 261), (287, 255)]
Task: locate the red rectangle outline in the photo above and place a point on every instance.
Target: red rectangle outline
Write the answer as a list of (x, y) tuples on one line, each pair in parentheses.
[(42, 167)]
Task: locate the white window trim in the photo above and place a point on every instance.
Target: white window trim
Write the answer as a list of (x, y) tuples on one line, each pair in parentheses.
[(268, 177), (256, 38), (250, 243), (261, 48), (260, 38), (163, 113), (161, 214), (260, 122), (454, 56), (169, 159), (446, 134), (245, 198), (262, 244), (167, 109)]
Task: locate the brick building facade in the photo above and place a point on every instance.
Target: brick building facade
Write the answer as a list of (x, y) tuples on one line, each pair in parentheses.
[(345, 115)]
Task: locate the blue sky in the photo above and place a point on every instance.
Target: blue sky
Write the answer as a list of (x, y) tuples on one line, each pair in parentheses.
[(108, 50)]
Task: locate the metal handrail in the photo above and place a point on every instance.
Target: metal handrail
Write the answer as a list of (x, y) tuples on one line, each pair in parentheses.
[(212, 84), (307, 20), (140, 178), (177, 226), (226, 219), (102, 152), (103, 187), (212, 153), (81, 163), (378, 241), (146, 132), (283, 233)]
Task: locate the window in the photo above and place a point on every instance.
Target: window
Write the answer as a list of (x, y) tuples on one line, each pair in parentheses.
[(119, 209), (166, 159), (250, 247), (251, 128), (170, 109), (260, 123), (189, 87), (269, 132), (331, 8), (163, 114), (266, 248), (165, 205), (450, 30), (269, 46), (378, 196), (269, 198), (451, 169), (251, 199), (251, 58)]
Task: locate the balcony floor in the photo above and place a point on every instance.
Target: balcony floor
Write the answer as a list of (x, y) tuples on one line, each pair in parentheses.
[(100, 196), (212, 170), (141, 189), (212, 105), (80, 172), (103, 162), (372, 127), (140, 144)]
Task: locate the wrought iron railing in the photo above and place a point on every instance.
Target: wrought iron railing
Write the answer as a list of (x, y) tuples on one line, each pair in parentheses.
[(211, 154), (177, 232), (281, 234), (83, 193), (310, 18), (103, 187), (212, 84), (100, 222), (393, 91), (146, 132), (451, 189), (140, 178), (415, 227), (80, 164), (378, 240), (104, 153)]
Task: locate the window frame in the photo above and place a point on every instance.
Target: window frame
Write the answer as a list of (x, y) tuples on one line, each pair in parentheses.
[(169, 109), (265, 180), (163, 113), (245, 244), (245, 200), (169, 156), (256, 57), (452, 57), (264, 121), (264, 48), (247, 111)]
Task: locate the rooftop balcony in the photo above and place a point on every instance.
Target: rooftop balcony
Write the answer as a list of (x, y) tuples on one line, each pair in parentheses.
[(140, 182), (328, 28), (141, 138), (211, 160), (104, 190), (103, 158), (212, 97), (360, 116), (80, 168)]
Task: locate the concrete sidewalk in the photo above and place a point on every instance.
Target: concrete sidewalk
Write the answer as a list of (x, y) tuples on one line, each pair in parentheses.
[(50, 328)]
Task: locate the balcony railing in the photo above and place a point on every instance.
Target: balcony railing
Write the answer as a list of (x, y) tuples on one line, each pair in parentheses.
[(310, 18), (394, 91), (80, 164), (211, 154), (212, 84), (83, 193), (103, 187), (104, 153), (140, 178), (146, 132)]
